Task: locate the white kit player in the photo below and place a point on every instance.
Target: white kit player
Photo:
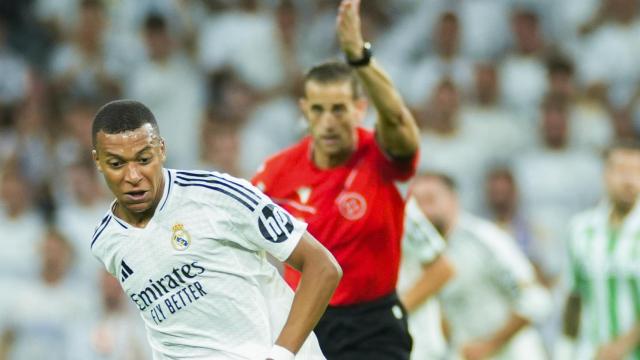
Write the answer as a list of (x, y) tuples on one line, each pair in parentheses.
[(493, 297), (189, 249), (424, 271)]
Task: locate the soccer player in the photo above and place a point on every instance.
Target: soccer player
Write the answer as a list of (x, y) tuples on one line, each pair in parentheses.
[(342, 180), (424, 270), (493, 297), (188, 248), (604, 252)]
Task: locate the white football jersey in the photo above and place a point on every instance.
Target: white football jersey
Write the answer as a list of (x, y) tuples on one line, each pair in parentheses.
[(198, 271)]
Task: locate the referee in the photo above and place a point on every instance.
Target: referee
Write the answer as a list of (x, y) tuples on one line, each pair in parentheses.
[(341, 180)]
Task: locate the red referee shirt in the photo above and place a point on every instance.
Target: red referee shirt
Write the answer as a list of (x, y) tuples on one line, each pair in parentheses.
[(355, 210)]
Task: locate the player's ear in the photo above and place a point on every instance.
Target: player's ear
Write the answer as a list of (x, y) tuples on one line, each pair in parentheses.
[(94, 155), (303, 104), (163, 151)]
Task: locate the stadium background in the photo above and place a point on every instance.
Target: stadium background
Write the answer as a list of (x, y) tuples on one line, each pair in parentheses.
[(515, 99)]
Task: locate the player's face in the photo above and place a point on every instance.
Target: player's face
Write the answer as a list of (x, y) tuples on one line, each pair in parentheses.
[(622, 176), (333, 116), (132, 163), (436, 201)]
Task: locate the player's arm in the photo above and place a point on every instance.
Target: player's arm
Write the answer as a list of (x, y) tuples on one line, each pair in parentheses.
[(320, 275), (622, 346), (486, 347), (529, 300), (433, 277), (396, 128)]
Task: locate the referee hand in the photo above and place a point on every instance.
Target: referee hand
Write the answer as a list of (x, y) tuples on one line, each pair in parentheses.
[(349, 28)]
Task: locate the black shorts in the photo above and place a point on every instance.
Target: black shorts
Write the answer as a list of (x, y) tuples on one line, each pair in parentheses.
[(374, 330)]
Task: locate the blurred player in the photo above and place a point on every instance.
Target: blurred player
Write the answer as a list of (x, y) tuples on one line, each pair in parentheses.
[(342, 181), (424, 270), (493, 297), (189, 250), (604, 252)]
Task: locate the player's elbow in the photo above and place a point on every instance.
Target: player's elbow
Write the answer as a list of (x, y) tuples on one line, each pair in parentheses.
[(332, 272)]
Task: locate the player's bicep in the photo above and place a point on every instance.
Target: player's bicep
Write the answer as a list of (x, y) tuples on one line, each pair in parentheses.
[(308, 249)]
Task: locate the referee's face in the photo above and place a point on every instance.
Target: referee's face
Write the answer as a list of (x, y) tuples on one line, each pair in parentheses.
[(333, 115), (132, 163)]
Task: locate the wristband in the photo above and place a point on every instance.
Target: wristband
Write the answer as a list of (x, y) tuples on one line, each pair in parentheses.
[(279, 353), (365, 59)]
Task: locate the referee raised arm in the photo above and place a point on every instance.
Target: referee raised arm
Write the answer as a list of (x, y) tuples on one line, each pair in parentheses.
[(341, 180)]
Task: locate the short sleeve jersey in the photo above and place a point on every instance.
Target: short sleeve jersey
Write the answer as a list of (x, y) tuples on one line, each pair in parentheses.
[(198, 272), (492, 278), (355, 210)]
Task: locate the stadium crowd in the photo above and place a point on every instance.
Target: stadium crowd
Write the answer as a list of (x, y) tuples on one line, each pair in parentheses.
[(516, 101)]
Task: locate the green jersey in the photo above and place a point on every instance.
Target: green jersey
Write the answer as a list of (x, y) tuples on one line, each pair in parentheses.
[(605, 267)]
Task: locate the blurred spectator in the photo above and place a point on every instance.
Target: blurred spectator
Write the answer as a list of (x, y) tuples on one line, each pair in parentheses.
[(445, 62), (610, 50), (316, 42), (254, 51), (487, 118), (222, 146), (14, 72), (590, 124), (170, 85), (271, 127), (117, 334), (555, 181), (93, 63), (76, 217), (503, 208), (50, 331), (21, 223), (30, 138), (522, 72), (450, 146), (484, 28), (74, 142)]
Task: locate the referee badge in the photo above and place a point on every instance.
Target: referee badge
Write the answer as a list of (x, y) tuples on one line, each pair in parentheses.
[(180, 239)]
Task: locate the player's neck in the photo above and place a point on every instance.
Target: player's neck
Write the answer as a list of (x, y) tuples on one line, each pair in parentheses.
[(618, 213)]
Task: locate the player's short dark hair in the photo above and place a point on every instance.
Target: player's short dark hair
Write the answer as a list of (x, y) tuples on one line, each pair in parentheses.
[(334, 72), (119, 116), (624, 144), (445, 179)]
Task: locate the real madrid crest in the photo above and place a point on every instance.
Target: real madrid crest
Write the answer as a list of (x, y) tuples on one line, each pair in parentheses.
[(180, 239)]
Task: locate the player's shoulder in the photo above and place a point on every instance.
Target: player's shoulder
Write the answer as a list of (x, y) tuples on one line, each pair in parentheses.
[(485, 232), (212, 189), (587, 218)]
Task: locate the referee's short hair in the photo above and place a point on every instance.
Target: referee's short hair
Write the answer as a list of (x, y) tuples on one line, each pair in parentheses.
[(119, 116), (333, 71)]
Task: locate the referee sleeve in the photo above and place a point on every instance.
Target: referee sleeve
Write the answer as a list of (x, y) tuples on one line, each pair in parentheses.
[(420, 237)]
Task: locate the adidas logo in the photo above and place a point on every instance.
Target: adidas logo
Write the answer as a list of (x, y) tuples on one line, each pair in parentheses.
[(125, 272)]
